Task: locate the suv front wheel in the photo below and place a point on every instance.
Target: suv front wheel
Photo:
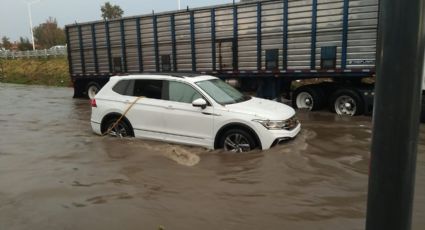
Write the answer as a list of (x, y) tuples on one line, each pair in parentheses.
[(237, 141)]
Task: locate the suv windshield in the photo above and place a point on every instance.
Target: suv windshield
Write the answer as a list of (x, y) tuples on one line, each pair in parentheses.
[(222, 92)]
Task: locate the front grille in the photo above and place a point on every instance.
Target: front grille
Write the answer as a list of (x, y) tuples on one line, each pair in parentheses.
[(291, 123)]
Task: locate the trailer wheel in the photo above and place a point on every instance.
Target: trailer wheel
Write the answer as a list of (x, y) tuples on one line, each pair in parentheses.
[(347, 102), (306, 97), (92, 89)]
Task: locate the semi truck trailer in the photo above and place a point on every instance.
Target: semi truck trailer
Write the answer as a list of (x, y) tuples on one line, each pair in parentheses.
[(317, 53)]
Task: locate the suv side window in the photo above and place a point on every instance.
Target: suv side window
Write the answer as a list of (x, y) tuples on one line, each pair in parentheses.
[(124, 87), (181, 92), (148, 88)]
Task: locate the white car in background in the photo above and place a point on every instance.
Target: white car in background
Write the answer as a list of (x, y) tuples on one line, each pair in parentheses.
[(190, 109), (58, 47)]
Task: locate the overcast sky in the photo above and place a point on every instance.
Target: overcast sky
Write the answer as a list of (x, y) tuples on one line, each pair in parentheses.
[(14, 20)]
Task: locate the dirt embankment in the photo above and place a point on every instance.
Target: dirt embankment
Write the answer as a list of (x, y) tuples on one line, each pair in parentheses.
[(50, 71)]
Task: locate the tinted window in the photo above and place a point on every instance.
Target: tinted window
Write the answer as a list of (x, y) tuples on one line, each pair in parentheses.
[(124, 87), (328, 57), (117, 65), (166, 63), (181, 92), (272, 59), (148, 88)]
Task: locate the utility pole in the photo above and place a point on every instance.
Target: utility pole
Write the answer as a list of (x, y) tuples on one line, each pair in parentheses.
[(29, 4), (400, 54)]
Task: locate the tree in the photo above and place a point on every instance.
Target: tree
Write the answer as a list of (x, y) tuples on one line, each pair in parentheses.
[(24, 44), (48, 34), (6, 43), (110, 11)]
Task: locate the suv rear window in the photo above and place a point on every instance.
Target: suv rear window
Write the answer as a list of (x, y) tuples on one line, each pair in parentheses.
[(124, 87)]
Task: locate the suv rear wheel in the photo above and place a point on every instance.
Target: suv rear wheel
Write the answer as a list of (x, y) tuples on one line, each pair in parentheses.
[(120, 129), (237, 141)]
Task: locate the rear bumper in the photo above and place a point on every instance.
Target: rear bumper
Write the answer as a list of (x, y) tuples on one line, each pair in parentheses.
[(96, 127)]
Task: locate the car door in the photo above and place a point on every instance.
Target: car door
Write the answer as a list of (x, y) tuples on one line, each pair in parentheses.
[(146, 115), (184, 122)]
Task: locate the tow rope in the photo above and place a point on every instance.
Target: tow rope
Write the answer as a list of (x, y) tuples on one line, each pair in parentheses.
[(122, 116)]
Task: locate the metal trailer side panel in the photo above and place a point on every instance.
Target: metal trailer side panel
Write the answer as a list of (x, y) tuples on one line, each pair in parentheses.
[(203, 40), (115, 45), (132, 57), (102, 49), (329, 24), (232, 39), (146, 27), (299, 34), (87, 40), (164, 40), (75, 49), (247, 38), (184, 56), (362, 31), (272, 31), (224, 38)]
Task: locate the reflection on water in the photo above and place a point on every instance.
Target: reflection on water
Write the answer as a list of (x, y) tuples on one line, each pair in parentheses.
[(55, 174)]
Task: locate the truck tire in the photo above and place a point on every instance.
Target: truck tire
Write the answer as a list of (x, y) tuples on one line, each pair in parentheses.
[(308, 97), (92, 89), (346, 102)]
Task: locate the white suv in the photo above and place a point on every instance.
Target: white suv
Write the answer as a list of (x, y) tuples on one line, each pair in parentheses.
[(190, 109)]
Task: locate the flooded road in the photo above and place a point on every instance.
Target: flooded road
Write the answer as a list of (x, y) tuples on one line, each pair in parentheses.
[(56, 174)]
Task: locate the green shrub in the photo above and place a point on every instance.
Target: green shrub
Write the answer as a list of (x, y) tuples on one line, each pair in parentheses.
[(49, 71)]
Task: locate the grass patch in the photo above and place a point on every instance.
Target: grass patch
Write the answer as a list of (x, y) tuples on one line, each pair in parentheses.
[(49, 71)]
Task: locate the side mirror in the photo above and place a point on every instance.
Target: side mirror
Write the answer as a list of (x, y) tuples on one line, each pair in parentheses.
[(200, 102)]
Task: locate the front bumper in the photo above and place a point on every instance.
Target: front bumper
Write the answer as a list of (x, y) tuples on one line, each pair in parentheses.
[(270, 137)]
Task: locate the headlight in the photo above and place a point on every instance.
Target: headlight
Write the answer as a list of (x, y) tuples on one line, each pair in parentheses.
[(289, 124), (272, 124)]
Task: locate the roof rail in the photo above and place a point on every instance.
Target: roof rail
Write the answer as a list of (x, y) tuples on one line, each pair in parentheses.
[(174, 74)]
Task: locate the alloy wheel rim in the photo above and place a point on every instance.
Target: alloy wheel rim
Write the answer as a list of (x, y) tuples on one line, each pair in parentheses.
[(236, 143), (118, 131)]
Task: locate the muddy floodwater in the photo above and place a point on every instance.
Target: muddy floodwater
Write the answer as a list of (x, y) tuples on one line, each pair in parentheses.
[(56, 174)]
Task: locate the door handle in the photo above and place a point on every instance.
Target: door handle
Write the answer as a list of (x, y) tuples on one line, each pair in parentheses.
[(170, 107)]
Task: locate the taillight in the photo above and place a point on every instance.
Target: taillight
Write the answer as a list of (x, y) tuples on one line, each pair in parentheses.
[(93, 103)]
